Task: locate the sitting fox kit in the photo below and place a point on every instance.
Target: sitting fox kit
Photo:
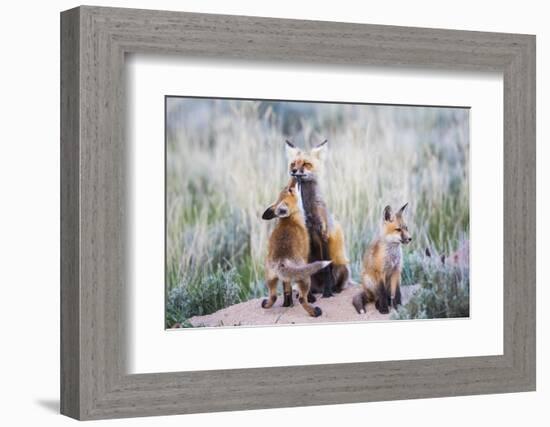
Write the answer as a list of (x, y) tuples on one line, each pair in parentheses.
[(288, 250), (325, 234), (382, 264)]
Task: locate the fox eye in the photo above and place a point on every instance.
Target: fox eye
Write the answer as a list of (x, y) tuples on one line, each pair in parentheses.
[(307, 165), (398, 229)]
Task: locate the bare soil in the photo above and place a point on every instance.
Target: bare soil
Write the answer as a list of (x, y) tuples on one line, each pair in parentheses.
[(335, 309)]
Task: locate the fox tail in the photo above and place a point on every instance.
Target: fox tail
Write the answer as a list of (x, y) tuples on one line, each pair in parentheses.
[(287, 270), (361, 299)]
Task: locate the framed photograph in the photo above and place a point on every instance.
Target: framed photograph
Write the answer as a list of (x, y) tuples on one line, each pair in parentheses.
[(227, 161), (282, 213)]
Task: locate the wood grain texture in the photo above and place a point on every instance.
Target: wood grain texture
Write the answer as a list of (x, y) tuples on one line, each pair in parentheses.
[(94, 198), (70, 291)]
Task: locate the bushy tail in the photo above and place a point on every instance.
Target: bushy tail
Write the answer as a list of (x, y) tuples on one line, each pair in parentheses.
[(287, 270), (361, 299)]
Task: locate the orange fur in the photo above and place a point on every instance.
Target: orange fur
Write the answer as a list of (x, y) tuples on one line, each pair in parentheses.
[(336, 245), (383, 263), (324, 230), (288, 250)]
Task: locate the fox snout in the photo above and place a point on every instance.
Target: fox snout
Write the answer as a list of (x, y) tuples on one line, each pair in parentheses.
[(296, 173), (299, 173), (406, 239)]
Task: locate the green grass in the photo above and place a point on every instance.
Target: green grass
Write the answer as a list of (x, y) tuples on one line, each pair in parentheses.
[(226, 164), (208, 293)]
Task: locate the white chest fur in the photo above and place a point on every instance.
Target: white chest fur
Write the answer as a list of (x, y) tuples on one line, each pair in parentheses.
[(393, 257)]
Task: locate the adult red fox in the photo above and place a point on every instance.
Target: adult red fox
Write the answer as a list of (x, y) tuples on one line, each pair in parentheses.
[(287, 257), (326, 235), (382, 264)]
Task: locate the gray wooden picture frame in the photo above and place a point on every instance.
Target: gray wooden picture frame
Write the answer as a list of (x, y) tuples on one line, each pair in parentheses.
[(94, 41)]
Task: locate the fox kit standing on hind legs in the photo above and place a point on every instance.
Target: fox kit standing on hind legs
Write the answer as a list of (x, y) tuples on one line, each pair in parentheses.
[(382, 264), (288, 251), (326, 235)]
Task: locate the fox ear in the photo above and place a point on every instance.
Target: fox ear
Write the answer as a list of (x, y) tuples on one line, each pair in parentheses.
[(291, 150), (269, 213), (320, 150), (400, 212), (388, 214)]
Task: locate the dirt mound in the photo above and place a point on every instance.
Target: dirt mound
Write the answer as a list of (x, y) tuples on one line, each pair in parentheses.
[(335, 309)]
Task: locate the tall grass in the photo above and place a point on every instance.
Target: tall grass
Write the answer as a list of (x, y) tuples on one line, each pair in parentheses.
[(226, 164)]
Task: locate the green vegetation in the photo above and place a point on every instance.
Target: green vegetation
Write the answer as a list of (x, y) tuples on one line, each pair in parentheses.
[(444, 288), (205, 295), (226, 164)]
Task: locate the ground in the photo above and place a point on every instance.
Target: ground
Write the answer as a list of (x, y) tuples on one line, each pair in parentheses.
[(335, 309)]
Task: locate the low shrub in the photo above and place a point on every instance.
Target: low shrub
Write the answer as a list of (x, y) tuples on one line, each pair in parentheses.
[(205, 295), (444, 289)]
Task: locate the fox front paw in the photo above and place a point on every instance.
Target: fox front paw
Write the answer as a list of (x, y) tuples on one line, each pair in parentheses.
[(287, 302), (382, 308), (268, 303)]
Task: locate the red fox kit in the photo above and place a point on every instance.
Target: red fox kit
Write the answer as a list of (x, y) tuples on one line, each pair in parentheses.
[(287, 257), (326, 235), (382, 264)]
